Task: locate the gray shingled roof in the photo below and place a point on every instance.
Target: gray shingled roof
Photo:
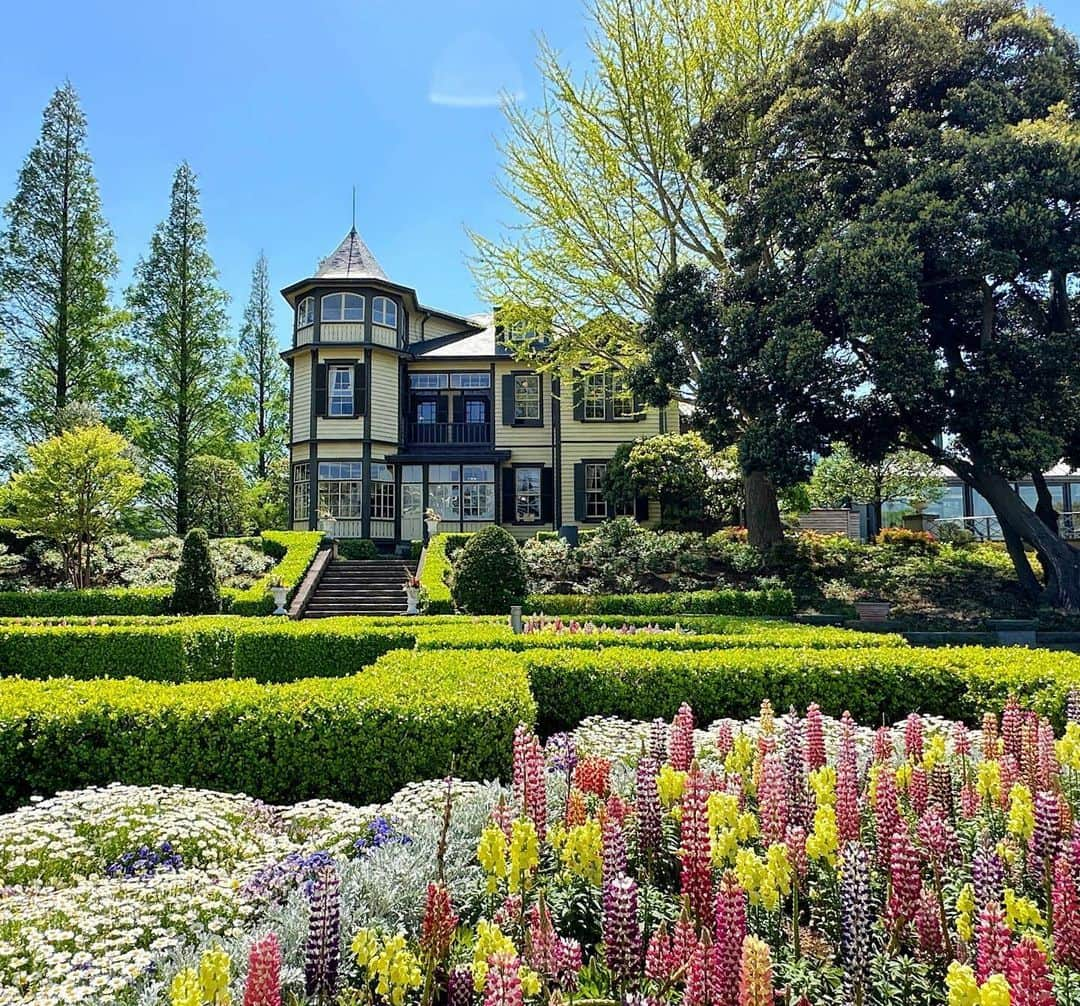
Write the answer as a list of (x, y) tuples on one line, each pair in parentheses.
[(351, 260)]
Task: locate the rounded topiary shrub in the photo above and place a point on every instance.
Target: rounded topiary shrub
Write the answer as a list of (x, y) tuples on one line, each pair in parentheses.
[(489, 573), (196, 591)]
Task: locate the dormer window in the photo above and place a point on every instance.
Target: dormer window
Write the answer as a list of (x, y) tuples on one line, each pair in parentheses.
[(384, 312), (305, 312), (343, 307)]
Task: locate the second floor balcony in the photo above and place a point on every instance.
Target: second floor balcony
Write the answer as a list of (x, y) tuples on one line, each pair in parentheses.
[(434, 434)]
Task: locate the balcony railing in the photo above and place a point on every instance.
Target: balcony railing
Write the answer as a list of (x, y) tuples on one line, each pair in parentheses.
[(448, 434)]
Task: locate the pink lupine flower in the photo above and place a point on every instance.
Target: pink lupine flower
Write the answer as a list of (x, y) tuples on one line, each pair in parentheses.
[(989, 736), (847, 803), (439, 922), (928, 925), (730, 933), (697, 976), (772, 800), (969, 802), (993, 942), (1028, 976), (695, 853), (725, 739), (535, 805), (1047, 834), (886, 814), (682, 739), (918, 789), (798, 802), (815, 737), (936, 838), (961, 739), (1066, 904), (847, 757), (648, 810), (660, 961), (941, 791), (263, 984), (683, 938), (913, 737), (502, 986), (1012, 720), (905, 879), (795, 840)]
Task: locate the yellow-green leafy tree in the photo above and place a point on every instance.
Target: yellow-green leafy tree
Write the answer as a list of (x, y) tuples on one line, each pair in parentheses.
[(75, 490), (605, 195)]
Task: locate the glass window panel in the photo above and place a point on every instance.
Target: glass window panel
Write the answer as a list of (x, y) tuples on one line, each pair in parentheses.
[(381, 472), (384, 312), (423, 382), (475, 411), (478, 501), (595, 500), (341, 391), (354, 307), (444, 499), (412, 499), (305, 312), (382, 500), (331, 307), (952, 503), (478, 473), (444, 473), (595, 396), (622, 399), (527, 494), (470, 380), (527, 396), (412, 473)]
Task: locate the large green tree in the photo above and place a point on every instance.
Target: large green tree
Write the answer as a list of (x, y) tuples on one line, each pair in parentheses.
[(912, 208), (605, 194), (179, 354), (56, 263), (258, 387)]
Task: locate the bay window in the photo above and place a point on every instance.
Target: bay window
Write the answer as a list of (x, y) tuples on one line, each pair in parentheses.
[(341, 489)]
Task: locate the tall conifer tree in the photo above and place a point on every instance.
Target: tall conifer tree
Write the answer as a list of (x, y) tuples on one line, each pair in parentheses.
[(258, 387), (179, 353), (56, 262)]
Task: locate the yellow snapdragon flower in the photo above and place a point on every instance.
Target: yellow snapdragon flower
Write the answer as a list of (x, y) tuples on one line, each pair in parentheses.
[(1021, 911), (184, 989), (582, 851), (994, 992), (524, 854), (823, 842), (670, 784), (1021, 819), (823, 784), (214, 968), (491, 854), (960, 983), (988, 780), (934, 751), (965, 910), (490, 940), (741, 756), (1068, 748)]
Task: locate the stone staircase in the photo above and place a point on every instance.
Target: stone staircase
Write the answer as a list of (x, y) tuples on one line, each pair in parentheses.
[(360, 587)]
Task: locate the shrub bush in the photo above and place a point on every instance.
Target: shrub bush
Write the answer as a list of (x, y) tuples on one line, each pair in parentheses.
[(434, 574), (706, 602), (295, 552), (358, 739), (489, 574), (872, 683), (197, 591), (902, 537), (357, 548)]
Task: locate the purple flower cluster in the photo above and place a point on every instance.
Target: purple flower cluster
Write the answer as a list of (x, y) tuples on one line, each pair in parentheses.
[(322, 951), (380, 832), (274, 883), (561, 753), (146, 861)]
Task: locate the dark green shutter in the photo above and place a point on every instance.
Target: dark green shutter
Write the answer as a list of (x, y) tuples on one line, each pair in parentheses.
[(579, 491), (359, 389), (509, 496), (547, 495), (508, 400), (579, 398), (320, 390), (459, 409), (641, 508), (442, 409)]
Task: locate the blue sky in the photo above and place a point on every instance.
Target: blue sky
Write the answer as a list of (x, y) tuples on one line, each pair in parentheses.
[(282, 107)]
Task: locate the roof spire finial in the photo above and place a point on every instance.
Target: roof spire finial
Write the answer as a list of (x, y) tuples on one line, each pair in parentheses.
[(353, 209)]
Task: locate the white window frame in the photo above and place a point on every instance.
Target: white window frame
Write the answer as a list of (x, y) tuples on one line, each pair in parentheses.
[(301, 491), (305, 312), (427, 381), (383, 497), (341, 489), (471, 380), (526, 403), (528, 502), (343, 307), (596, 505), (384, 312), (594, 393), (335, 396), (622, 397)]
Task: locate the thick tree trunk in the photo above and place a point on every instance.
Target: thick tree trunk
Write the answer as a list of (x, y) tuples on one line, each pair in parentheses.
[(1044, 506), (763, 527), (1021, 526)]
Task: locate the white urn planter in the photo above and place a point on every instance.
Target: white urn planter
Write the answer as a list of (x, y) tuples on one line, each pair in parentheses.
[(412, 598), (280, 596), (432, 527)]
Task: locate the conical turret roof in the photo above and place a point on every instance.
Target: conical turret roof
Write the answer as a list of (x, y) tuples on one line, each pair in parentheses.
[(352, 259)]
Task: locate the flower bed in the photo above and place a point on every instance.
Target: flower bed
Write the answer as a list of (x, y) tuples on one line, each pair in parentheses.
[(779, 859), (775, 601)]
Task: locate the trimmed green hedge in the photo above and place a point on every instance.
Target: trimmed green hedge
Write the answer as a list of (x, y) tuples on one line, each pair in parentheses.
[(359, 738), (433, 576), (294, 550), (478, 637), (872, 683), (198, 649), (703, 602)]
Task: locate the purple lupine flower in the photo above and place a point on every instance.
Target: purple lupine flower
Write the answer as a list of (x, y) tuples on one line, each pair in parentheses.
[(798, 799), (1047, 833), (621, 935), (1072, 706), (614, 846), (855, 921), (987, 873), (647, 808), (459, 987), (561, 753), (658, 741), (322, 951)]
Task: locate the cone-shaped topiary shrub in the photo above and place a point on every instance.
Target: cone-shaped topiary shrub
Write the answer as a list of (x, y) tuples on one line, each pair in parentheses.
[(489, 573), (197, 591)]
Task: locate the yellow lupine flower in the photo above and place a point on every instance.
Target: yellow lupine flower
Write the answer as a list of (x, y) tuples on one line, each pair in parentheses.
[(184, 989), (582, 851), (1021, 820), (960, 983), (823, 783), (1068, 748), (823, 842), (1021, 911), (903, 775), (994, 992), (741, 755), (779, 867), (670, 784), (530, 981), (395, 969), (750, 871), (965, 909), (365, 945), (214, 977), (988, 780), (524, 853), (491, 854), (934, 751)]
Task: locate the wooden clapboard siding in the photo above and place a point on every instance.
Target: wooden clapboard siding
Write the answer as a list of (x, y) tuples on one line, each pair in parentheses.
[(383, 401)]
